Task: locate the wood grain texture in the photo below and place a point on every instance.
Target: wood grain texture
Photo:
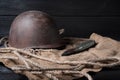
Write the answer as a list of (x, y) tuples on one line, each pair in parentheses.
[(77, 26), (62, 7), (84, 26), (79, 18)]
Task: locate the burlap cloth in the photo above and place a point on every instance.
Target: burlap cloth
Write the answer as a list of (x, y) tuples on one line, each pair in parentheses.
[(46, 64)]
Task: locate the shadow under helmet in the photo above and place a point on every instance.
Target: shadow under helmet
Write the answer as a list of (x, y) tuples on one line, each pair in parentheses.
[(34, 29)]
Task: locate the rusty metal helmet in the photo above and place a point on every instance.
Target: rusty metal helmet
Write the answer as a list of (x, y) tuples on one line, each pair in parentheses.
[(34, 29)]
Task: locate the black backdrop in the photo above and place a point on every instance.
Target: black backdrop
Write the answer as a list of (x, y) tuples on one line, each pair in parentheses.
[(79, 18)]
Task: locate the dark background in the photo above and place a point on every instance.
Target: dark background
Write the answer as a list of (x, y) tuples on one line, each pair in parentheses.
[(79, 18)]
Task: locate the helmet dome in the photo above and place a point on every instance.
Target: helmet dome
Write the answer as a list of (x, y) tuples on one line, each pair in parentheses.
[(34, 29)]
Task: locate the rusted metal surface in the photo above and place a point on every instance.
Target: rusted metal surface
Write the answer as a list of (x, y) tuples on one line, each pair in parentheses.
[(34, 29)]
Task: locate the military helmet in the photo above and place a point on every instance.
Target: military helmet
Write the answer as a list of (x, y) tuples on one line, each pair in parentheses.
[(34, 29)]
